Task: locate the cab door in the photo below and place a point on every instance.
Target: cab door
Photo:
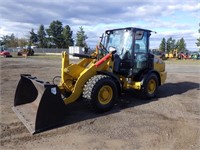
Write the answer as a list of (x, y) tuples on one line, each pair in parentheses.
[(142, 59)]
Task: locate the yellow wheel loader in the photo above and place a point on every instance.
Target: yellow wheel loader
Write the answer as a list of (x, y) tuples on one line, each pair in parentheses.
[(122, 60)]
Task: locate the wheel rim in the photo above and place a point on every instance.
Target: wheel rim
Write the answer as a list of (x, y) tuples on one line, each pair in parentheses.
[(105, 94), (151, 87)]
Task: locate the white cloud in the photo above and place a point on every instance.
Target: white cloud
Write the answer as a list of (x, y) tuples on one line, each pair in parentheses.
[(19, 16), (185, 7)]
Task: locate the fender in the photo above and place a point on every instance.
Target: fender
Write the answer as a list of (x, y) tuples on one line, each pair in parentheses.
[(148, 72)]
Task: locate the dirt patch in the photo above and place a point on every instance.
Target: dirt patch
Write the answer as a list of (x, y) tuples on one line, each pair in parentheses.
[(170, 121)]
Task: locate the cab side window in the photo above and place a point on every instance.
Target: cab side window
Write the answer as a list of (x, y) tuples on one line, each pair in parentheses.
[(141, 42)]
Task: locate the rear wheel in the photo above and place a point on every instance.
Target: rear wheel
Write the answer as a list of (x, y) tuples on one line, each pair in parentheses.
[(150, 86), (100, 93)]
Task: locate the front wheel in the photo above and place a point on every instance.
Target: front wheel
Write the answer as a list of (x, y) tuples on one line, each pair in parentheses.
[(100, 93), (150, 86)]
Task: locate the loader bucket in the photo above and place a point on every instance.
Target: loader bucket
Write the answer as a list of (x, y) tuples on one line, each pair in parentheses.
[(38, 104)]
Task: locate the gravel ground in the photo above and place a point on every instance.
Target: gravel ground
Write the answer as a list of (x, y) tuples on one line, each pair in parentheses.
[(170, 121)]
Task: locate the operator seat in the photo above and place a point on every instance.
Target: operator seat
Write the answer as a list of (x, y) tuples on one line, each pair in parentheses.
[(137, 48), (124, 66)]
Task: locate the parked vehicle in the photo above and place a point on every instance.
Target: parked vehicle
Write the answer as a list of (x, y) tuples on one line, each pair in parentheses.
[(27, 52), (4, 53), (183, 55), (195, 55)]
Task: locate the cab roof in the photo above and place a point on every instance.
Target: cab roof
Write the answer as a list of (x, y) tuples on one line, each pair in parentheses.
[(129, 28)]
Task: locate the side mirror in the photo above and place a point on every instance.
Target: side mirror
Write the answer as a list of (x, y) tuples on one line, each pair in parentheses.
[(112, 50), (139, 35)]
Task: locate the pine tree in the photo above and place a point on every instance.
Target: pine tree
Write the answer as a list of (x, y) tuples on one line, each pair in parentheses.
[(198, 40), (42, 37), (67, 36), (171, 44), (55, 33), (181, 45), (162, 45), (33, 37), (81, 38)]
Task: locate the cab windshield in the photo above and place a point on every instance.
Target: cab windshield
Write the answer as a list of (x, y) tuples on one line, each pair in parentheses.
[(121, 40)]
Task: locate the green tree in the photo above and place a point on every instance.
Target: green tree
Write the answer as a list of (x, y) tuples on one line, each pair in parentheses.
[(21, 42), (9, 41), (42, 41), (55, 33), (13, 41), (198, 40), (168, 45), (171, 44), (81, 38), (181, 45), (33, 37), (162, 45), (67, 36), (2, 41)]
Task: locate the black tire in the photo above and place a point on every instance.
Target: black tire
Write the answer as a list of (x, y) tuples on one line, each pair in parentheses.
[(150, 86), (100, 93)]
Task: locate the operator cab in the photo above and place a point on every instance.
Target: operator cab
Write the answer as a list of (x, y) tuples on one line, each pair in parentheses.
[(132, 46)]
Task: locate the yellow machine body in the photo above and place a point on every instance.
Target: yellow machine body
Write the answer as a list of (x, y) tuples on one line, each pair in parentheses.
[(74, 76), (98, 78)]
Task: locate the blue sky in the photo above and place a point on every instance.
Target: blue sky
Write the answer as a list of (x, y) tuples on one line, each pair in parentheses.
[(171, 18)]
